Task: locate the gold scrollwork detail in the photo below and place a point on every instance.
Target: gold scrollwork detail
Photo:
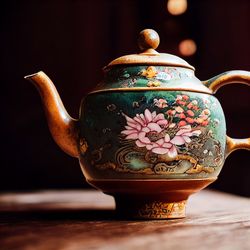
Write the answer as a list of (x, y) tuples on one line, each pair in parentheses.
[(113, 166), (162, 210), (83, 145), (106, 165), (129, 157)]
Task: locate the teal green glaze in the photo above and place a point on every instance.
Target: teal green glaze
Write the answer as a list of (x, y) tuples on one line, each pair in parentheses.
[(147, 76), (192, 126)]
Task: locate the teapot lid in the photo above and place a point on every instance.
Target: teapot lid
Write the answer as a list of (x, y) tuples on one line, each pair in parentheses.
[(148, 41)]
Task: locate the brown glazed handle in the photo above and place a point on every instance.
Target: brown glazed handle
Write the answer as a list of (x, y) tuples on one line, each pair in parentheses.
[(234, 144), (234, 76)]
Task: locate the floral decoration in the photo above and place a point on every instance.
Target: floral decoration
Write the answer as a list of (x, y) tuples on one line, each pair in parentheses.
[(149, 72), (162, 74), (168, 131)]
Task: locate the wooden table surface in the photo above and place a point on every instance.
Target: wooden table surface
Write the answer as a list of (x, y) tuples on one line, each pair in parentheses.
[(76, 220)]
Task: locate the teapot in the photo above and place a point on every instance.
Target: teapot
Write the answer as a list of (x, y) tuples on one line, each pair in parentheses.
[(150, 133)]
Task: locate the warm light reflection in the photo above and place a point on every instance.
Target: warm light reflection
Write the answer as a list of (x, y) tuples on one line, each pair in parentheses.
[(187, 47), (177, 7)]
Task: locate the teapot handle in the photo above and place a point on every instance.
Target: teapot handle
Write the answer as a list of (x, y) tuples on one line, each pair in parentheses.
[(233, 76)]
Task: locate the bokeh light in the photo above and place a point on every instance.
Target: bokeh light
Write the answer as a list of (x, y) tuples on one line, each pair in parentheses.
[(177, 7), (187, 47)]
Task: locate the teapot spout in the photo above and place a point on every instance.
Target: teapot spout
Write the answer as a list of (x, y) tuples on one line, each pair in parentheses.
[(63, 127)]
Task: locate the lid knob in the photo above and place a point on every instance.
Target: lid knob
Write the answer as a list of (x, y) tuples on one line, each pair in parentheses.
[(148, 39)]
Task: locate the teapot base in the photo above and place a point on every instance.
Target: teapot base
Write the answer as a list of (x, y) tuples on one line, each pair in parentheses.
[(149, 198), (149, 209)]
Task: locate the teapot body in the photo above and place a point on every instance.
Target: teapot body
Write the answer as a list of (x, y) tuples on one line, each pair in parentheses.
[(134, 129)]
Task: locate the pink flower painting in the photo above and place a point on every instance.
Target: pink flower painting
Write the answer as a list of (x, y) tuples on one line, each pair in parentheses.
[(164, 146), (142, 124), (155, 133)]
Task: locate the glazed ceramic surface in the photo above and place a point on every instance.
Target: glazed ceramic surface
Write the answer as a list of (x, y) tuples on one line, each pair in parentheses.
[(150, 133)]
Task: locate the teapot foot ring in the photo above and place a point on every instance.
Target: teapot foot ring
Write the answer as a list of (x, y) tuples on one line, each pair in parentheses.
[(150, 199), (149, 209)]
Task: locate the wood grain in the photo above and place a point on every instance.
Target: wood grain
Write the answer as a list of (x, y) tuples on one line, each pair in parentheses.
[(76, 220)]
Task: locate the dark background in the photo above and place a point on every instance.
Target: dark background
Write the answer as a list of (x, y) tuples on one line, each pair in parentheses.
[(71, 40)]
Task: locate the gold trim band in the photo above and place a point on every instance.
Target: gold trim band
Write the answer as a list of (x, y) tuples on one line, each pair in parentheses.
[(149, 89)]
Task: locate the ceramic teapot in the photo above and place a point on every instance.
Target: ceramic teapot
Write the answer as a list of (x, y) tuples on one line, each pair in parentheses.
[(150, 134)]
